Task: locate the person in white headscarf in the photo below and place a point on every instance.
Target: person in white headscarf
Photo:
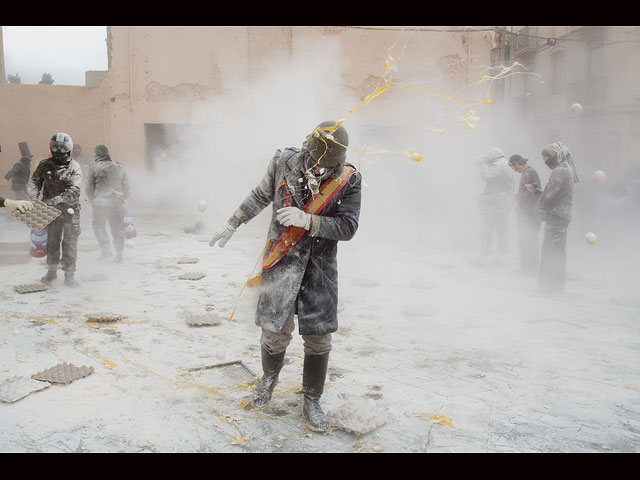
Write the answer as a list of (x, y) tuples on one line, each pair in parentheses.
[(494, 201), (555, 207)]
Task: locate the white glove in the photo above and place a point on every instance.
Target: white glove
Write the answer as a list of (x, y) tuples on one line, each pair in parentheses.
[(288, 216), (21, 205), (224, 233)]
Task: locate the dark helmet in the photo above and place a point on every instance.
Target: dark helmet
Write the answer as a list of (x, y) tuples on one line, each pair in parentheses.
[(328, 144), (61, 145)]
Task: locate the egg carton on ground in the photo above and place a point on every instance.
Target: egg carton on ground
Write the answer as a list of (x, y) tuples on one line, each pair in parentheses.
[(31, 287), (183, 260), (64, 373), (15, 388), (192, 276), (104, 317), (39, 216), (199, 319)]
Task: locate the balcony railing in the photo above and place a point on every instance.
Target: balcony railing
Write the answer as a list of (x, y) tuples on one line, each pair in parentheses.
[(525, 39)]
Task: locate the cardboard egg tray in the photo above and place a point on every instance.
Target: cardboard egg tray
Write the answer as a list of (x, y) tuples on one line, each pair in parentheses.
[(64, 373), (15, 388), (196, 320), (31, 287), (192, 276), (104, 317), (188, 260), (39, 216)]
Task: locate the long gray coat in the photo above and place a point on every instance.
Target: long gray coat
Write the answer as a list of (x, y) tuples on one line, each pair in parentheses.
[(306, 278)]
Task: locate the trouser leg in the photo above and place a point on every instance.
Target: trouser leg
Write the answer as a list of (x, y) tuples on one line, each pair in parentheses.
[(54, 238), (528, 243), (99, 224), (553, 254), (71, 232), (273, 347), (117, 230)]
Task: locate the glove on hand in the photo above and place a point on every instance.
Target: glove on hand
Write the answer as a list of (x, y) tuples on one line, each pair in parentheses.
[(21, 205), (294, 216), (223, 234), (55, 202)]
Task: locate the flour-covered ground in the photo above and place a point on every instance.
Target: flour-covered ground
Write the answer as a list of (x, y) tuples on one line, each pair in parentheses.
[(436, 354)]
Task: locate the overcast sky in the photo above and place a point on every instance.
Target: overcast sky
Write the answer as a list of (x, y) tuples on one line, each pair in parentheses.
[(64, 52)]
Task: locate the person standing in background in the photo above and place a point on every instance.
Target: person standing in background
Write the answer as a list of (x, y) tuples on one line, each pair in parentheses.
[(107, 188), (20, 172), (555, 207), (526, 201), (494, 201)]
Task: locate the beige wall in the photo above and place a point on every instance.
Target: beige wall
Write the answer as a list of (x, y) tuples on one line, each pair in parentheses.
[(33, 113), (160, 74)]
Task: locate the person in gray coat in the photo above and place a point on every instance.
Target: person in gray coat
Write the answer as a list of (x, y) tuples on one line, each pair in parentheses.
[(494, 201), (107, 188), (555, 207), (316, 203)]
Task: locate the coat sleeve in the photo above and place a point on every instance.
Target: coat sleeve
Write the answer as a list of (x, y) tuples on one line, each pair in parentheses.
[(259, 198), (11, 172), (344, 224), (35, 183), (72, 194), (90, 186), (555, 185), (126, 187)]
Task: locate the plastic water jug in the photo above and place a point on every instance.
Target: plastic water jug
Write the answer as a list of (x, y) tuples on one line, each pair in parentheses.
[(38, 247), (127, 224)]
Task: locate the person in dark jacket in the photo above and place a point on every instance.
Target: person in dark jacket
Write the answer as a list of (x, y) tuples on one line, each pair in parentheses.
[(107, 189), (20, 172), (58, 178), (527, 211), (555, 207), (316, 203)]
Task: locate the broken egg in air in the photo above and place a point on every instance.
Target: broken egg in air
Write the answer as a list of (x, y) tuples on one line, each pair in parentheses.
[(590, 238), (202, 206), (599, 176)]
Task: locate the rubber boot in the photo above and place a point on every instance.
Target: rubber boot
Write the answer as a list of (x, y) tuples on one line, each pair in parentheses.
[(313, 377), (69, 280), (271, 366), (50, 276)]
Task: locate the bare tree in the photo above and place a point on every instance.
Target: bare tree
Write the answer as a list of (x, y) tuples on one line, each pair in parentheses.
[(14, 78), (47, 79)]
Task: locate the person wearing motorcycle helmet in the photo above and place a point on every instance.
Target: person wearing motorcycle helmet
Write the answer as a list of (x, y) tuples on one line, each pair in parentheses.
[(57, 180), (315, 197)]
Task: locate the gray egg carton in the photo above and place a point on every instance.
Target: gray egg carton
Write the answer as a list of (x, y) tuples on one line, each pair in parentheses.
[(196, 320), (182, 260), (39, 216), (15, 388), (64, 373), (192, 276), (31, 287), (104, 317)]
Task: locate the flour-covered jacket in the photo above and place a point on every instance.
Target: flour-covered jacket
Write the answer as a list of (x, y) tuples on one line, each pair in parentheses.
[(557, 197), (60, 183), (306, 278), (107, 183)]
